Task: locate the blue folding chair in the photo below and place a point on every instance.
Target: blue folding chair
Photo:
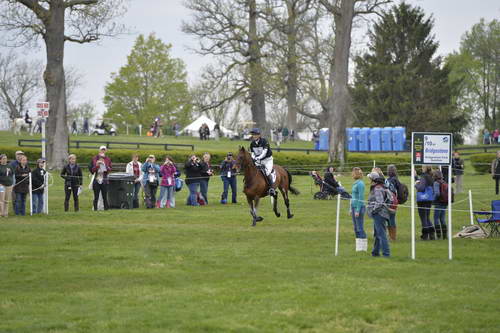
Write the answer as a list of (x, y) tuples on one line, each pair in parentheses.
[(492, 223)]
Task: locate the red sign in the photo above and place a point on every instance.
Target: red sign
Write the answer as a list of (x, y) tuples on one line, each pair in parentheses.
[(43, 109)]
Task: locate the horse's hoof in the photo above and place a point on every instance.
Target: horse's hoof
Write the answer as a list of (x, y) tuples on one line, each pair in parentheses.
[(290, 216), (259, 218), (254, 223), (278, 215)]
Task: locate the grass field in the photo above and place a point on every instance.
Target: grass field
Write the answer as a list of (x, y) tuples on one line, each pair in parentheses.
[(205, 269)]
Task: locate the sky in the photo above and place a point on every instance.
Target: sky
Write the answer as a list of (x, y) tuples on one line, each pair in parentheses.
[(164, 17)]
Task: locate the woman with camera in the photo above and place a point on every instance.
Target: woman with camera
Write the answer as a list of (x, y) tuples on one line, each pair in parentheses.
[(134, 168), (193, 169), (228, 176), (206, 173), (150, 180), (167, 188)]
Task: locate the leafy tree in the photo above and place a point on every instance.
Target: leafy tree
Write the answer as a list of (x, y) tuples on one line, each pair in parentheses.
[(400, 82), (152, 84)]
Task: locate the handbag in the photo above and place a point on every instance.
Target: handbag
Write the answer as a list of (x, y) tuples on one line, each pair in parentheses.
[(178, 184), (427, 195)]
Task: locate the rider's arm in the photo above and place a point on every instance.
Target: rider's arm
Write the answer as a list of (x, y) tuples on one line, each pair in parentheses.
[(263, 155)]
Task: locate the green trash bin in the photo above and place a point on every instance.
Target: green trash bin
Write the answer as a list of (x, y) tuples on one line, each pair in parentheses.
[(120, 190)]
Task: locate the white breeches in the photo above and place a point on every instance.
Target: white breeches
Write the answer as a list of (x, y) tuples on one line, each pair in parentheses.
[(268, 164)]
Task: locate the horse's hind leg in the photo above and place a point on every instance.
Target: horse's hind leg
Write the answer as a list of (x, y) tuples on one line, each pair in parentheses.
[(259, 218), (287, 203), (252, 211), (274, 200)]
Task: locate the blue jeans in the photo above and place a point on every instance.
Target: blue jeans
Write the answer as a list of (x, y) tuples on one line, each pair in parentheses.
[(167, 194), (381, 242), (358, 222), (20, 204), (37, 203), (440, 214), (229, 181), (193, 190), (204, 189), (392, 220)]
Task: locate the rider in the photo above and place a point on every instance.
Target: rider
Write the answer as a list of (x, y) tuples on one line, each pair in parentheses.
[(27, 118), (263, 157)]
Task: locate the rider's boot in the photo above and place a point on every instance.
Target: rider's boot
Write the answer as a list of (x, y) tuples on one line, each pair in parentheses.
[(272, 190)]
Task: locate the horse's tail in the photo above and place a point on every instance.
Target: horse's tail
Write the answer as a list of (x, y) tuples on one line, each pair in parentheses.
[(292, 189)]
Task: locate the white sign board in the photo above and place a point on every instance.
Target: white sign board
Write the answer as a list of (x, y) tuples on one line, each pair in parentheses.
[(431, 148), (42, 109)]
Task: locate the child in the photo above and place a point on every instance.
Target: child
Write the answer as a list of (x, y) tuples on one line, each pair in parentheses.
[(37, 186), (167, 189), (72, 175)]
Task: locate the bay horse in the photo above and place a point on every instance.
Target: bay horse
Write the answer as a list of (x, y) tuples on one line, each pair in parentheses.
[(256, 185)]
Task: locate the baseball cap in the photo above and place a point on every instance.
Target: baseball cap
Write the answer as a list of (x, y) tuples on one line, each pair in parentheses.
[(103, 148), (255, 131), (40, 160), (229, 154), (375, 177), (19, 152)]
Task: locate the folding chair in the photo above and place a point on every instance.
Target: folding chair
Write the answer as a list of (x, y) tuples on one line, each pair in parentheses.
[(492, 223)]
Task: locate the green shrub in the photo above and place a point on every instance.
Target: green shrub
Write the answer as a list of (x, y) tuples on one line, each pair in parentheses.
[(296, 162), (482, 162)]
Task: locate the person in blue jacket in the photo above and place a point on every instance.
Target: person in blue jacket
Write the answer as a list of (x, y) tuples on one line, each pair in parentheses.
[(150, 181)]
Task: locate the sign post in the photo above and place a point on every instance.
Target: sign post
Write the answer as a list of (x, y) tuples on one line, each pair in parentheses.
[(42, 109), (431, 149)]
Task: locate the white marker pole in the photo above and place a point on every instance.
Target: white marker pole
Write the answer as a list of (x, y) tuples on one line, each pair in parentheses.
[(412, 194), (46, 193), (44, 140), (470, 207), (31, 194), (337, 228), (450, 245)]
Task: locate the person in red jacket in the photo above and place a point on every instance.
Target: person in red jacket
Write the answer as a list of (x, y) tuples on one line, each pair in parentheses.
[(101, 167)]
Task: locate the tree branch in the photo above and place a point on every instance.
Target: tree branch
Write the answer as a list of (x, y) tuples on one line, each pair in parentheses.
[(39, 11), (72, 3)]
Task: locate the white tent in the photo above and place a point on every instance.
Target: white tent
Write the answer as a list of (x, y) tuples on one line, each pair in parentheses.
[(192, 129)]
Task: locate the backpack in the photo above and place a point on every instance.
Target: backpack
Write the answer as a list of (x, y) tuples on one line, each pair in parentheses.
[(443, 193), (402, 193), (391, 200)]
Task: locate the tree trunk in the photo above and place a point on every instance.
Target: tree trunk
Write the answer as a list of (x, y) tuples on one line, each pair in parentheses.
[(292, 68), (339, 101), (57, 129), (257, 95)]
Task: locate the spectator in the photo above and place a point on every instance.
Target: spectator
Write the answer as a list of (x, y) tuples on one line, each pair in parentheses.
[(193, 174), (177, 129), (22, 185), (393, 184), (150, 181), (357, 210), (458, 171), (496, 134), (206, 173), (73, 180), (292, 135), (216, 131), (167, 189), (379, 212), (37, 186), (134, 168), (285, 133), (330, 179), (228, 176), (7, 174), (439, 206), (201, 132), (425, 196), (101, 167), (206, 132), (86, 126), (74, 129), (13, 165), (486, 137), (495, 171)]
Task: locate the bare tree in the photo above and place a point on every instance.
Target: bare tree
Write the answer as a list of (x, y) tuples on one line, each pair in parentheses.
[(339, 101), (58, 21), (20, 83), (229, 31)]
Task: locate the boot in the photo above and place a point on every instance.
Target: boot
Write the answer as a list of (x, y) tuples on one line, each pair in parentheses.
[(364, 244), (158, 204), (425, 235), (438, 231), (77, 206), (272, 191), (431, 232), (444, 231), (168, 203), (66, 206), (392, 233), (135, 203), (359, 246)]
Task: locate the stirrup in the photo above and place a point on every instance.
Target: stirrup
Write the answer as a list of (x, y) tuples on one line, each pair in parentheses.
[(272, 191)]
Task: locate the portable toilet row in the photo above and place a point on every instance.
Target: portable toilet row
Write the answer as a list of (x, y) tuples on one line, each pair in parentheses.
[(324, 139), (376, 139)]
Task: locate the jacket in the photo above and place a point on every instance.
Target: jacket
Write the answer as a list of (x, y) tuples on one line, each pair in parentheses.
[(130, 170), (260, 149), (38, 180), (494, 165), (205, 168), (146, 170), (71, 177), (376, 202), (7, 174), (193, 172), (437, 193), (95, 168), (458, 166), (358, 195), (22, 182), (168, 173), (228, 166)]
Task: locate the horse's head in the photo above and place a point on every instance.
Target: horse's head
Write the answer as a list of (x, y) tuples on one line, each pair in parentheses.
[(243, 159)]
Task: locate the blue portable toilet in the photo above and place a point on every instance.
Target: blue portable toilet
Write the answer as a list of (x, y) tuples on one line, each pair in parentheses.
[(398, 138), (324, 137), (364, 139), (376, 139), (353, 139), (387, 139)]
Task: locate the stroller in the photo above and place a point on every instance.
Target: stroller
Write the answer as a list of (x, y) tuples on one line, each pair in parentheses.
[(329, 187)]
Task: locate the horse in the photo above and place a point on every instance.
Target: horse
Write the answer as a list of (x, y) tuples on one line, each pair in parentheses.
[(256, 185), (19, 124)]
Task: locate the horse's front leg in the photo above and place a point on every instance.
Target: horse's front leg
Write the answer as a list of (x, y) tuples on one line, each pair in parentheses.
[(252, 211), (287, 203), (274, 200), (259, 218)]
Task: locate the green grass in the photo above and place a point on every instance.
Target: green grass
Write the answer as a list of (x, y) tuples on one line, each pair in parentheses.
[(8, 138), (205, 269)]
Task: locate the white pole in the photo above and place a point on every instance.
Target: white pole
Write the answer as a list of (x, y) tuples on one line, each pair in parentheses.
[(412, 209), (46, 193), (140, 129), (450, 245), (470, 207), (43, 139), (374, 164), (337, 228), (31, 195)]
